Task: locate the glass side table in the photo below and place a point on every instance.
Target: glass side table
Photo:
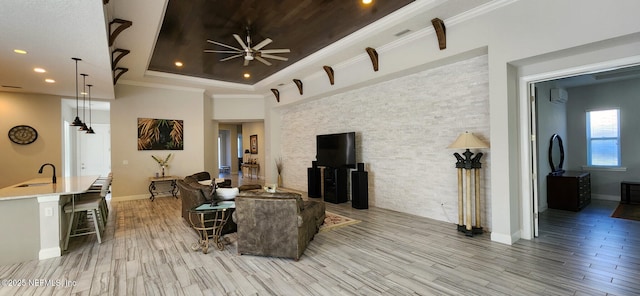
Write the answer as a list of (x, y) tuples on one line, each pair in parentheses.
[(208, 221)]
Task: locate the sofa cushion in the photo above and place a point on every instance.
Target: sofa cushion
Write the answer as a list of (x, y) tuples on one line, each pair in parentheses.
[(278, 194)]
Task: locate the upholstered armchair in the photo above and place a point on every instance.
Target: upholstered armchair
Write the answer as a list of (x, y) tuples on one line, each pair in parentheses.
[(277, 224), (194, 194)]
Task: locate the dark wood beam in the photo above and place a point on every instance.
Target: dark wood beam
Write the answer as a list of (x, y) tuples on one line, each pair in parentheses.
[(298, 83), (373, 54), (276, 93), (121, 26), (330, 73), (117, 55), (441, 32)]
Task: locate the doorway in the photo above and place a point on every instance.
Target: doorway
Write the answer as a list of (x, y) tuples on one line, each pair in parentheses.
[(87, 154), (545, 116)]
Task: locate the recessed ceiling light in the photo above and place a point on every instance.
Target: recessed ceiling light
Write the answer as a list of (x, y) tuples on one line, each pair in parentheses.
[(49, 80), (20, 51), (39, 70), (179, 64), (246, 75), (367, 1)]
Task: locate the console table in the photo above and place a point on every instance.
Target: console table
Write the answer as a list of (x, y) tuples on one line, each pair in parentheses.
[(630, 192), (153, 190), (209, 220), (251, 167)]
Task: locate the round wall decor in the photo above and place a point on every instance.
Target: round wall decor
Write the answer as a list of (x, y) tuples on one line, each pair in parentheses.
[(23, 134)]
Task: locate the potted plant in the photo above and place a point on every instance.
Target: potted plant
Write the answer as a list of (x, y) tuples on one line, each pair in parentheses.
[(279, 168), (164, 163)]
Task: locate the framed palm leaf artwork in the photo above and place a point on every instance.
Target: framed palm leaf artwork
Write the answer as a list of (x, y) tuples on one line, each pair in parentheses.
[(160, 134)]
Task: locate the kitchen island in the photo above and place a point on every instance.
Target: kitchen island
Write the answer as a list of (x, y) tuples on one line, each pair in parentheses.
[(31, 217)]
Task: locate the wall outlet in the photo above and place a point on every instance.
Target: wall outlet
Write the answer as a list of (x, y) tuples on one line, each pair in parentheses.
[(48, 212)]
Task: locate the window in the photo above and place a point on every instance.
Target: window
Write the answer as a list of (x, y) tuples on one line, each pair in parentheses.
[(603, 137)]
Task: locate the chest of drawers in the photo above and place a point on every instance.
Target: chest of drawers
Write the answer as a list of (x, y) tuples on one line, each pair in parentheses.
[(570, 191)]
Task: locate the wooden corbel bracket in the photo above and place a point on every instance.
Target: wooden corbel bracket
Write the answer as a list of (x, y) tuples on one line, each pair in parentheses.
[(298, 83), (373, 54), (117, 55), (276, 93), (117, 72), (121, 26), (329, 71), (441, 32)]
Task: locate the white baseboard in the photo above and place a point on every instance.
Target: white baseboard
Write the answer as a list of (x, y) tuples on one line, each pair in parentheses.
[(129, 197), (49, 253), (605, 197), (505, 238)]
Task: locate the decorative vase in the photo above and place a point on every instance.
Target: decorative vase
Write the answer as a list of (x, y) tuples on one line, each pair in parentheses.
[(279, 180)]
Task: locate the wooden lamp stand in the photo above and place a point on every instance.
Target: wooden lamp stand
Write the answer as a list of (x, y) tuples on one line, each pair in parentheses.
[(469, 164)]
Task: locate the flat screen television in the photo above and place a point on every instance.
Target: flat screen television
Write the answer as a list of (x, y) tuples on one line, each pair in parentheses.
[(336, 150)]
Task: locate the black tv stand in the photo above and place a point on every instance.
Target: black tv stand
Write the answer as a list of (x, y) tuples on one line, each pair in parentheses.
[(335, 185)]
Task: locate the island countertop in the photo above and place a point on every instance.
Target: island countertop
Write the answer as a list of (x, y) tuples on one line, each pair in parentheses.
[(43, 186)]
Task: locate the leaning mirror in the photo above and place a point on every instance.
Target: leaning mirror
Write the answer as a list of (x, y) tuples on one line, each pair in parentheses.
[(556, 155)]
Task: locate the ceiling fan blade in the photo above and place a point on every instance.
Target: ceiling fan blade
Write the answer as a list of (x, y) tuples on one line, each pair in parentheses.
[(222, 51), (283, 50), (224, 45), (244, 46), (262, 44), (232, 57), (274, 57), (263, 60)]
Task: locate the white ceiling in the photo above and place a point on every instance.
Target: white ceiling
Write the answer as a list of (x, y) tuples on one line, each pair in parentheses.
[(55, 31)]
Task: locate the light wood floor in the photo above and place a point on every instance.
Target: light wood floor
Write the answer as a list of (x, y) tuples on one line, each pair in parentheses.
[(146, 251)]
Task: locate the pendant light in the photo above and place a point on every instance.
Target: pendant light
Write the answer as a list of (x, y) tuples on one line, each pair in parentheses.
[(84, 107), (90, 130), (77, 121)]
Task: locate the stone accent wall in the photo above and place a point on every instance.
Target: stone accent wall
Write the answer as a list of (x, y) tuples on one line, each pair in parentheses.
[(403, 127)]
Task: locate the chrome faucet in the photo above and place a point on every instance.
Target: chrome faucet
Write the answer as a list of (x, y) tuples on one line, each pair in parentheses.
[(53, 179)]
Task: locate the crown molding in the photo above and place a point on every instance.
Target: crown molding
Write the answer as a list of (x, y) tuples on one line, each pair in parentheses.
[(161, 86), (200, 81)]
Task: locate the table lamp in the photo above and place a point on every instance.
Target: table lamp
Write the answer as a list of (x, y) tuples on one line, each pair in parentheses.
[(468, 141)]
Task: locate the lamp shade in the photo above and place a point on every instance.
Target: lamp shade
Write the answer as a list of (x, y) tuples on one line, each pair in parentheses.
[(467, 140)]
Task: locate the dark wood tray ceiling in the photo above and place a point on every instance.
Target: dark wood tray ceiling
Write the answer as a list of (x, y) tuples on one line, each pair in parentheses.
[(302, 26)]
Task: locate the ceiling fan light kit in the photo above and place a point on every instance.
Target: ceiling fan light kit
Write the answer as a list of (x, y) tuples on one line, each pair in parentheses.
[(248, 52)]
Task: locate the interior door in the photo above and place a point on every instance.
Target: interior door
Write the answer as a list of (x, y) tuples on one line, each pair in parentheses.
[(534, 157), (94, 151)]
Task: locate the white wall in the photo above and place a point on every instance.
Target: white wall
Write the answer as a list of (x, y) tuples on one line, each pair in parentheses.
[(624, 95), (238, 108), (518, 35), (403, 128), (42, 112), (132, 168), (551, 119), (256, 128)]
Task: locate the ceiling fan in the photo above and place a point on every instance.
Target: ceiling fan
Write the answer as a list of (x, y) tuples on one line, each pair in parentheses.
[(248, 52)]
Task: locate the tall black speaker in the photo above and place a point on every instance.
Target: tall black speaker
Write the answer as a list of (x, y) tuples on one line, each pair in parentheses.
[(359, 189), (314, 182), (335, 185)]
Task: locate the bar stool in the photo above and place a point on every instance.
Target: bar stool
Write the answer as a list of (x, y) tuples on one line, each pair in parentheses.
[(100, 189), (76, 209)]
